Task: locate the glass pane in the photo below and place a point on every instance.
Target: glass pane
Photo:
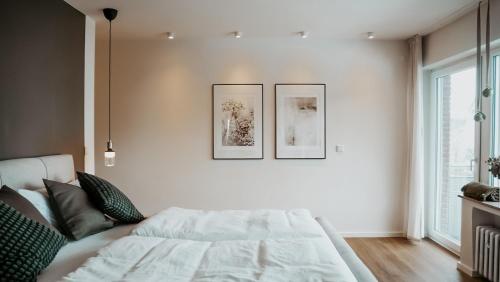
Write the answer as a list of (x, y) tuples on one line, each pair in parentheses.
[(496, 112), (456, 134)]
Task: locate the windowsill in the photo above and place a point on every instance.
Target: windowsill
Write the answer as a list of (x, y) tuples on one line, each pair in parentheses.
[(494, 205)]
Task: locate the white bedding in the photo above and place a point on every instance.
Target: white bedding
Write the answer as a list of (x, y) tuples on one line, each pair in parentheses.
[(74, 254), (178, 223), (189, 245), (136, 258)]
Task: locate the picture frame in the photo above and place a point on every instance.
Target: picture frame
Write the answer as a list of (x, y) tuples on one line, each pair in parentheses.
[(238, 121), (300, 121)]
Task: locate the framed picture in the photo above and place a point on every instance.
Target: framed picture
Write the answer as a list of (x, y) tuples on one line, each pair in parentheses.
[(300, 121), (237, 121)]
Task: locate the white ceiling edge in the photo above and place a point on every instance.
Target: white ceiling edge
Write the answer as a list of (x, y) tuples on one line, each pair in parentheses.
[(465, 10), (94, 13)]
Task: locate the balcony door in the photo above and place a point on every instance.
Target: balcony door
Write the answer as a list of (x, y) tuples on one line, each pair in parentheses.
[(456, 150)]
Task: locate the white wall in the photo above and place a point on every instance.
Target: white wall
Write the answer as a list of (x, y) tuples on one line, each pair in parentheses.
[(163, 135), (89, 115), (459, 37)]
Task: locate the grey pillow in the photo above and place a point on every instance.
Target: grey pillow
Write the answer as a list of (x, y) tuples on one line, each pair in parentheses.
[(75, 214), (22, 205)]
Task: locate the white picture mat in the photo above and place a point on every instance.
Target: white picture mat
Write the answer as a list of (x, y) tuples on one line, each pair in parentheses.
[(220, 93), (285, 151)]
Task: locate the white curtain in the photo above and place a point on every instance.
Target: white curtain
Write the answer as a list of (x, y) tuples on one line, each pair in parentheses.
[(415, 123)]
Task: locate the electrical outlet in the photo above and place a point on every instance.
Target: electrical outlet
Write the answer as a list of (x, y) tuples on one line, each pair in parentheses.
[(339, 148)]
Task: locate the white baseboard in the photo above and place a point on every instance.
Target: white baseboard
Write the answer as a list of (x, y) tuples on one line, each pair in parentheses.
[(452, 247), (373, 234), (466, 269)]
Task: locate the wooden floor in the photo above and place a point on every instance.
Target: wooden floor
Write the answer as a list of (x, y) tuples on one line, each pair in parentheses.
[(397, 259)]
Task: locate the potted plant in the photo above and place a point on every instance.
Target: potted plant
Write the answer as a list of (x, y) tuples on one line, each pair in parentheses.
[(494, 166)]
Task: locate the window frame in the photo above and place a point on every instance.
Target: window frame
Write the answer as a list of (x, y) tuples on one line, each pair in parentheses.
[(486, 133), (434, 150), (493, 104)]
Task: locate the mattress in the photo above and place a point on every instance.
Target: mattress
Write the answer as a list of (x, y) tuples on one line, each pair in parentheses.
[(74, 254)]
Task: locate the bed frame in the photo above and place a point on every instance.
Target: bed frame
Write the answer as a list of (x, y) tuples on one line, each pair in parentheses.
[(357, 267), (27, 173)]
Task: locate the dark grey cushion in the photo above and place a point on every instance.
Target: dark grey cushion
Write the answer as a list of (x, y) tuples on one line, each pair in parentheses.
[(109, 199), (22, 205), (26, 246), (76, 216)]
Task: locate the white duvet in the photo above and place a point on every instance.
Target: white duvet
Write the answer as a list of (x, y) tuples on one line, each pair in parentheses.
[(189, 245), (178, 223)]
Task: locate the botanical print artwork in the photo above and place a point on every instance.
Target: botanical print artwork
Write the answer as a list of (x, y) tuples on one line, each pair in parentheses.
[(238, 122), (301, 119)]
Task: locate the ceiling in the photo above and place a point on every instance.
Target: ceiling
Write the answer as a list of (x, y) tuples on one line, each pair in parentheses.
[(389, 19)]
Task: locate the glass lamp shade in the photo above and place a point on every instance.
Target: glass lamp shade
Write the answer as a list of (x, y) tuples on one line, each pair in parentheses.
[(479, 117), (109, 158), (109, 155), (487, 92)]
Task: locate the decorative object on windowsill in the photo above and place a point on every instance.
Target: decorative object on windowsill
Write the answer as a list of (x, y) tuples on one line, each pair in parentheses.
[(494, 166), (109, 154), (481, 192), (479, 116)]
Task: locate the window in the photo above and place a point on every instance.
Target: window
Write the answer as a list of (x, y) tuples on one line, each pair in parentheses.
[(457, 145), (495, 120), (455, 155)]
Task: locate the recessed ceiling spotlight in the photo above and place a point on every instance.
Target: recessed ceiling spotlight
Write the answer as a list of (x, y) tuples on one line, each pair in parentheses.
[(370, 35), (170, 35), (237, 34), (304, 34)]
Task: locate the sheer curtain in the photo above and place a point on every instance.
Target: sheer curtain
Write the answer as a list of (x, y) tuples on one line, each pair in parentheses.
[(415, 123)]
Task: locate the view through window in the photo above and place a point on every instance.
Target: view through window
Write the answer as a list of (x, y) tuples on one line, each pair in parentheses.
[(456, 148)]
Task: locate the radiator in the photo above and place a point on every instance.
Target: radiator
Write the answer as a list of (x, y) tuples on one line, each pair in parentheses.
[(486, 252)]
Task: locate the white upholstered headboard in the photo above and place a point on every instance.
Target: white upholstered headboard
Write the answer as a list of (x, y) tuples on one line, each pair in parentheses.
[(28, 173)]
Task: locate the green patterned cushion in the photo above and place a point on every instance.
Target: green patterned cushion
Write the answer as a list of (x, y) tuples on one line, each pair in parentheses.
[(26, 246), (109, 199)]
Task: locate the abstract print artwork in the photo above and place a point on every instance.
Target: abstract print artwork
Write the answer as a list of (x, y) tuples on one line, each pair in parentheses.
[(300, 121), (237, 121)]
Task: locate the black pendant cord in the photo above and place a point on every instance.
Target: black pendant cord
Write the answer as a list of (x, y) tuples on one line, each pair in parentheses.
[(109, 84), (488, 46), (478, 60)]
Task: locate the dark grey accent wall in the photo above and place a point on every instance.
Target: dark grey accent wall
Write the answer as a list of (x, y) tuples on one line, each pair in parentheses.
[(41, 79)]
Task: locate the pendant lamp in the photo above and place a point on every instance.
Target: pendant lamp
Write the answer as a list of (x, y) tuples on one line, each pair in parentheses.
[(487, 90), (479, 116), (109, 154)]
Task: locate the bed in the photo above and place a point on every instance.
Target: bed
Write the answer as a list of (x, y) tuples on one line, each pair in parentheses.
[(74, 254), (193, 245)]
